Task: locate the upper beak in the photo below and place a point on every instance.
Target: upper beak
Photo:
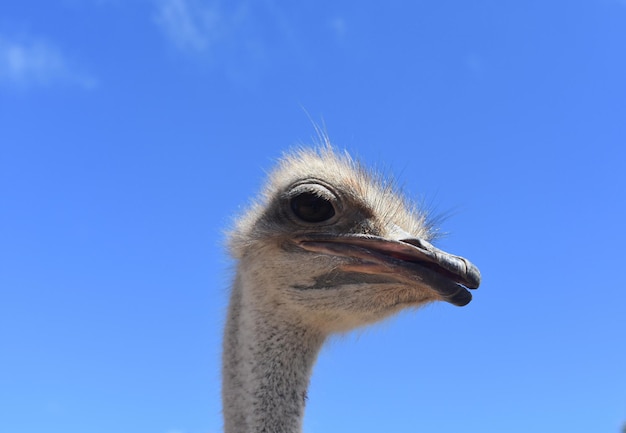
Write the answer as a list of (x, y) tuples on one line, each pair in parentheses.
[(408, 259)]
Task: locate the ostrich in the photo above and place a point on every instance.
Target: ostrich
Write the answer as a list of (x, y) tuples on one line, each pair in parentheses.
[(329, 247)]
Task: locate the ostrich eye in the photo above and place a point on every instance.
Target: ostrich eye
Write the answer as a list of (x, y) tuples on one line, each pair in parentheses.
[(312, 208)]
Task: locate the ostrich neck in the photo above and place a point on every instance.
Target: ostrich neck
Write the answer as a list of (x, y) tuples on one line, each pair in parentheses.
[(267, 363)]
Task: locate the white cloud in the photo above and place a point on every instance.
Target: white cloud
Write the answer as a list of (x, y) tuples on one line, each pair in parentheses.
[(475, 64), (35, 63), (338, 26), (190, 24), (224, 36)]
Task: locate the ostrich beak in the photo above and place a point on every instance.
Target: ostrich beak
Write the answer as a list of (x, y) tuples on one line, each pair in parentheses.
[(409, 260)]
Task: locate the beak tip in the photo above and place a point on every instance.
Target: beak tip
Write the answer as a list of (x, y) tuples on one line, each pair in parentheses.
[(474, 277)]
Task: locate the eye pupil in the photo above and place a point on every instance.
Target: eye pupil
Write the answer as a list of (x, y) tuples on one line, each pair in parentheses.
[(312, 208)]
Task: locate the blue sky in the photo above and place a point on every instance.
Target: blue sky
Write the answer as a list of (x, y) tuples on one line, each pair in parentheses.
[(132, 131)]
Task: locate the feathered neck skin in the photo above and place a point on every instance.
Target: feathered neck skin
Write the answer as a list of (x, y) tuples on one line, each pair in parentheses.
[(267, 364)]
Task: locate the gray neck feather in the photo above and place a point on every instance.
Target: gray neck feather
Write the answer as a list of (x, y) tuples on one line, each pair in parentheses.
[(267, 363)]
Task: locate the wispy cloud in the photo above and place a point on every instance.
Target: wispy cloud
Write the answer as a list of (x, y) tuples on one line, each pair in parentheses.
[(338, 27), (475, 64), (224, 36), (190, 24), (36, 63)]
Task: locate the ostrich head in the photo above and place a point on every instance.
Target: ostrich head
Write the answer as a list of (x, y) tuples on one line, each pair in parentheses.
[(338, 247), (327, 248)]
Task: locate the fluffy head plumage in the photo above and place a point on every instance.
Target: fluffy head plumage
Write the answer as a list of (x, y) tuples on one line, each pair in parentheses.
[(378, 198)]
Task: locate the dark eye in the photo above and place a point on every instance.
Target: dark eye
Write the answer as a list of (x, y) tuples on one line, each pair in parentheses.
[(312, 208)]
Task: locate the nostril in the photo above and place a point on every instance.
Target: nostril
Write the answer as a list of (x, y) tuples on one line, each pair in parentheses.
[(417, 242)]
